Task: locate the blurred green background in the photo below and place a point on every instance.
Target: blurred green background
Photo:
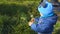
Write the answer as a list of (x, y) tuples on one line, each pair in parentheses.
[(15, 15)]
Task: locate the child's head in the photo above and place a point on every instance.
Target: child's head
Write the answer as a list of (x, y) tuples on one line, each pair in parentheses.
[(45, 12)]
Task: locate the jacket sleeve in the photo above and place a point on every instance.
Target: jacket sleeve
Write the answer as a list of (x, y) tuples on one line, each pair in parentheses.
[(41, 27), (33, 27)]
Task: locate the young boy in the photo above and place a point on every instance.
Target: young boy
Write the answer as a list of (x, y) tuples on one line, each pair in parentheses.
[(47, 20)]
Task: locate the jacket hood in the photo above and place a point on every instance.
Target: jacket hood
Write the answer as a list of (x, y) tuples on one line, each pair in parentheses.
[(48, 11)]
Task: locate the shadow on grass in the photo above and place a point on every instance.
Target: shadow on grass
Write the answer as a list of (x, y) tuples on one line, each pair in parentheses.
[(11, 10)]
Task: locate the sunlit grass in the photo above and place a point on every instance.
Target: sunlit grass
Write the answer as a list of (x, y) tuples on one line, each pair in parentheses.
[(19, 2)]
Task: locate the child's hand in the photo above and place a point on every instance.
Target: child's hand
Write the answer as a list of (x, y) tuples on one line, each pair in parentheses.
[(31, 21)]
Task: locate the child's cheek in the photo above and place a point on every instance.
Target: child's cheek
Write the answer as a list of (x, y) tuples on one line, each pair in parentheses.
[(41, 14)]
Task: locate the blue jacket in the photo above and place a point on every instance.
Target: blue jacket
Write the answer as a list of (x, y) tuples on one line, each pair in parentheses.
[(45, 23)]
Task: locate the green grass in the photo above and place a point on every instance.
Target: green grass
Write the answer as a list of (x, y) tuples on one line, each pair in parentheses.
[(57, 28), (14, 16)]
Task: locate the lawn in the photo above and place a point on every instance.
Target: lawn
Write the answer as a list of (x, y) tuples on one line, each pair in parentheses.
[(15, 15)]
